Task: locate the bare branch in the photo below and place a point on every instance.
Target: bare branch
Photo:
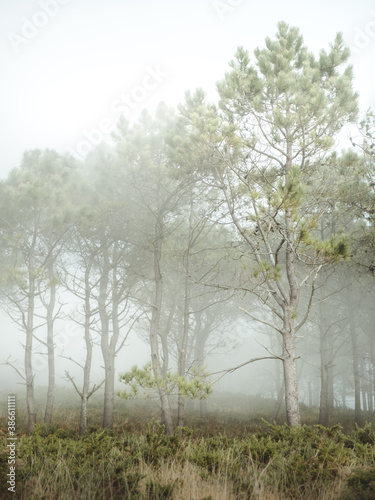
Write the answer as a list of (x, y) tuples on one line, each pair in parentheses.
[(265, 322), (233, 369)]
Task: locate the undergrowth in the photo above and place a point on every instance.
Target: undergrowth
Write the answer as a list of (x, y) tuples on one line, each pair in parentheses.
[(311, 462)]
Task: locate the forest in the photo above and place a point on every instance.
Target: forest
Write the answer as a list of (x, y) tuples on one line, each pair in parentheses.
[(193, 224)]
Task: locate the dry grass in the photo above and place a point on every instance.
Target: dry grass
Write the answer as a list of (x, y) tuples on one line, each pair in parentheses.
[(215, 460)]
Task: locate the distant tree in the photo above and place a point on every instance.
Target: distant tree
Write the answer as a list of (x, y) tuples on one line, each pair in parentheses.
[(80, 285), (156, 195), (102, 274), (35, 220)]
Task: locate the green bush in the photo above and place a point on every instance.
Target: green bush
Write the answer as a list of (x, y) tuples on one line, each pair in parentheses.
[(360, 485), (296, 463)]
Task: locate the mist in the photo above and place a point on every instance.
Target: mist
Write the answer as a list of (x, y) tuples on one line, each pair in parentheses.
[(187, 229)]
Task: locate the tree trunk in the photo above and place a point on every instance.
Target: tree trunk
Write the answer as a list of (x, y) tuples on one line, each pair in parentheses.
[(51, 349), (343, 395), (330, 382), (290, 378), (30, 400), (371, 391), (186, 323), (166, 415), (310, 392), (364, 384), (183, 349), (356, 372), (83, 414), (289, 311), (201, 336), (279, 401), (87, 367), (104, 342), (109, 393), (324, 366), (110, 356)]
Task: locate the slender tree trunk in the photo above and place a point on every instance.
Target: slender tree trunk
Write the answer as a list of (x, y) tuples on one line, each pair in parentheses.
[(109, 388), (166, 415), (201, 337), (289, 363), (83, 415), (51, 349), (356, 372), (370, 399), (109, 393), (186, 322), (109, 343), (310, 392), (280, 398), (104, 343), (364, 398), (164, 340), (86, 382), (343, 395), (88, 343), (183, 349), (372, 375), (364, 384), (30, 399), (279, 379), (330, 383), (290, 378), (290, 310), (324, 366)]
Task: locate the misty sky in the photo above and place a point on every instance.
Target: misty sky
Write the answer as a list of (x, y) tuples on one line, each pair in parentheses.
[(71, 67)]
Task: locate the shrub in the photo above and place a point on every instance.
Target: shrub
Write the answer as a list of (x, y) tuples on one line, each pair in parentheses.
[(360, 485)]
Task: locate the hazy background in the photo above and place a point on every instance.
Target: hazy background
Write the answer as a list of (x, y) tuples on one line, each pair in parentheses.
[(68, 71), (66, 78)]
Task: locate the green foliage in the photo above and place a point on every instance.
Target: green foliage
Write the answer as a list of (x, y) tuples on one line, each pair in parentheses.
[(335, 248), (157, 445), (302, 89), (267, 270), (291, 192), (360, 485), (364, 435), (295, 463), (196, 387)]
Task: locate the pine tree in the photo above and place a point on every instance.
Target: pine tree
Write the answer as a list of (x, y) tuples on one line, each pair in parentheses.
[(265, 149)]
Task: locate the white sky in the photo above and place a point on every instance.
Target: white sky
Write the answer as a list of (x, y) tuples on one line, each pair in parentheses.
[(72, 73)]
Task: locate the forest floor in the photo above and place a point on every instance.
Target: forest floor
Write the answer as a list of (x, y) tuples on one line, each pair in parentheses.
[(233, 454)]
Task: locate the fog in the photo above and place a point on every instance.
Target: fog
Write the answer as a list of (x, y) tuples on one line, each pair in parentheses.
[(67, 76), (141, 224)]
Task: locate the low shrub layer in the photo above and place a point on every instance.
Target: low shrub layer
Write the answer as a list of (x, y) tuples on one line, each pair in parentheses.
[(275, 462)]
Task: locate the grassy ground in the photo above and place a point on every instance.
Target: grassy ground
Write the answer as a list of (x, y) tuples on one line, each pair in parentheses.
[(233, 455)]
